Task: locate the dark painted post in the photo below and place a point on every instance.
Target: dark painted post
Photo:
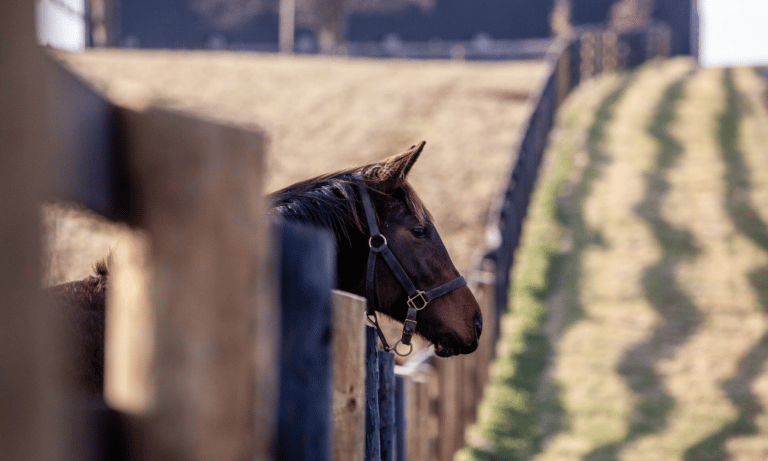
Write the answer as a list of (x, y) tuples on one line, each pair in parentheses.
[(372, 421), (400, 419), (387, 404), (304, 430)]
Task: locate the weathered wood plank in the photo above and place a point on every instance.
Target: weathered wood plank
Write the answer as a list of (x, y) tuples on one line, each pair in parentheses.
[(348, 376), (195, 188), (35, 419)]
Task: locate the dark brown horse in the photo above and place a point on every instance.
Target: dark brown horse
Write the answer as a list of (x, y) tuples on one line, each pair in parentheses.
[(452, 321), (83, 304)]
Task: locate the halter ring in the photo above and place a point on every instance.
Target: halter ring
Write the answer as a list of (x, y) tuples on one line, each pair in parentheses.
[(417, 296), (370, 241), (394, 349)]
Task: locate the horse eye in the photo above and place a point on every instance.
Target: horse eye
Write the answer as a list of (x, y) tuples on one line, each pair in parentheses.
[(419, 232)]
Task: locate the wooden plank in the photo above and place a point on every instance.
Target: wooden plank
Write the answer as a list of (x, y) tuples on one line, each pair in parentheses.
[(470, 389), (196, 186), (419, 412), (485, 287), (37, 422), (459, 377), (308, 271), (446, 408), (348, 376), (433, 413), (130, 329), (563, 72), (84, 160), (387, 404), (372, 420)]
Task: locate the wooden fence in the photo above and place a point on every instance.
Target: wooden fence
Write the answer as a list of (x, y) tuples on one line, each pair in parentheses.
[(194, 334)]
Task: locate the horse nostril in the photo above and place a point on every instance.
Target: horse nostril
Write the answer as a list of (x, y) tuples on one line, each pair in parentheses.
[(478, 326)]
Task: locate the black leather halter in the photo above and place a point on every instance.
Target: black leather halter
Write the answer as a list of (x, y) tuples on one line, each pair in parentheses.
[(417, 299)]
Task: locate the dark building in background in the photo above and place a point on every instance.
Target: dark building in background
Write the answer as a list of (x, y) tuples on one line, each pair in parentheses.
[(174, 24), (675, 13), (678, 15), (253, 24), (179, 24), (457, 20), (590, 11)]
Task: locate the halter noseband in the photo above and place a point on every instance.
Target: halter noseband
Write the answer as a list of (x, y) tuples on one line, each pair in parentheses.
[(417, 299)]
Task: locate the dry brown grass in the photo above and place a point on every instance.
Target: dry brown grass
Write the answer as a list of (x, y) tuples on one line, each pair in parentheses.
[(324, 114)]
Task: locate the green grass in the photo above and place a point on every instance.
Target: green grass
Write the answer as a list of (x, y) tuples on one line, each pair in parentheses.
[(687, 376), (522, 404)]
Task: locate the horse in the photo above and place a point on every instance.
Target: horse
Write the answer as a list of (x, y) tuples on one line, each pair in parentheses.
[(376, 217), (389, 251), (83, 304)]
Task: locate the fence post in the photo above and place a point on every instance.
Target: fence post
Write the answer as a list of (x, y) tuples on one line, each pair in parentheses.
[(563, 74), (372, 417), (419, 438), (448, 408), (195, 190), (308, 271), (401, 421), (36, 422), (387, 404), (348, 376)]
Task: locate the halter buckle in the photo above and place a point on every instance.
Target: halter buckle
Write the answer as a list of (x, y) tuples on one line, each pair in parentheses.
[(370, 241), (416, 297)]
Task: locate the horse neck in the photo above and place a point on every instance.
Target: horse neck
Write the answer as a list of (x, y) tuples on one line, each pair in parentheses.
[(351, 258)]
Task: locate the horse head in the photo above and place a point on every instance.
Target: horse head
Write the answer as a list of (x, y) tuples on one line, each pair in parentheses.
[(426, 292), (452, 321)]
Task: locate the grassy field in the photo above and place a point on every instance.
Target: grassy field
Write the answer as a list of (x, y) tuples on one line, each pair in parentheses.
[(324, 114), (638, 327)]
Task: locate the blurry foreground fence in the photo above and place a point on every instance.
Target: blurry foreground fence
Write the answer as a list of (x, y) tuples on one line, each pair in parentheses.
[(201, 363)]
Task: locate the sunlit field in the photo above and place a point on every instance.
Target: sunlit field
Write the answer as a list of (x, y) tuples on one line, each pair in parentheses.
[(638, 328), (323, 114)]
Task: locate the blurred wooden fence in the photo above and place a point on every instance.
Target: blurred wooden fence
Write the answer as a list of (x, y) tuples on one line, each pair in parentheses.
[(194, 334)]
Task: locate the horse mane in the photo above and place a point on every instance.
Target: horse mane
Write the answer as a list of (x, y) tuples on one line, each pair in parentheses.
[(331, 201)]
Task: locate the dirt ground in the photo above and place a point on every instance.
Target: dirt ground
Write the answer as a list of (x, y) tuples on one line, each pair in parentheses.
[(324, 114)]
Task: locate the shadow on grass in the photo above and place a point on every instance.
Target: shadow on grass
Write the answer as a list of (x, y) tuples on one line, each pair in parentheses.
[(749, 223), (529, 408), (679, 317)]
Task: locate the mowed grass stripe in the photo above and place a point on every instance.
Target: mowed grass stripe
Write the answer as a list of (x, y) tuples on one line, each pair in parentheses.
[(603, 406), (689, 208), (741, 134), (519, 395)]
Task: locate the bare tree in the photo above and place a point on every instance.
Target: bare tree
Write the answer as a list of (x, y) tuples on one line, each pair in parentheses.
[(630, 14)]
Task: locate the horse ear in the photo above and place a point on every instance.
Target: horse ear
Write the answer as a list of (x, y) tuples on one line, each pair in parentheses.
[(390, 173)]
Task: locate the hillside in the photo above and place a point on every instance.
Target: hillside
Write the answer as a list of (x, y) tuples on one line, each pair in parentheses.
[(638, 328), (325, 114)]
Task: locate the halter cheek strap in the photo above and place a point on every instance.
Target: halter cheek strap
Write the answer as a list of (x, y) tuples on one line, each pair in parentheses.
[(417, 299)]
